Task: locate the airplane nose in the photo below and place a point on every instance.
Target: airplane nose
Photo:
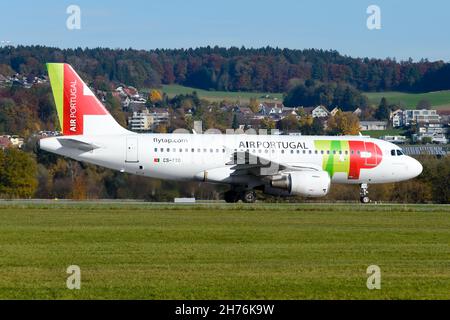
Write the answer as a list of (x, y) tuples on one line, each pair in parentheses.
[(416, 167)]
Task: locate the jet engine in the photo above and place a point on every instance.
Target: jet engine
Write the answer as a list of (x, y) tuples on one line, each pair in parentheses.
[(301, 183)]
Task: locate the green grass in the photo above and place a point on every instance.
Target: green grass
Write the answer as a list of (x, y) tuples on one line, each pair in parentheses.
[(276, 251), (243, 97), (380, 133), (438, 99)]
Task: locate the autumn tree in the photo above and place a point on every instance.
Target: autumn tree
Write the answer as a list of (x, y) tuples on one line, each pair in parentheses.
[(253, 105), (155, 96), (343, 123), (18, 174)]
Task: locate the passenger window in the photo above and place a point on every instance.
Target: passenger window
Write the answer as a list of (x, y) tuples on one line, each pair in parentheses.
[(192, 150), (156, 149)]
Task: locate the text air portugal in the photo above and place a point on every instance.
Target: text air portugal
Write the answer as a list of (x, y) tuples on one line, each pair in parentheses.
[(77, 103)]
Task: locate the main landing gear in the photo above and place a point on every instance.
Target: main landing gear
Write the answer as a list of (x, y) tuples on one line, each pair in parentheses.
[(233, 196), (364, 193)]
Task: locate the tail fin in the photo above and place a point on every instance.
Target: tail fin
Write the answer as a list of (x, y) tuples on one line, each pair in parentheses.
[(79, 110)]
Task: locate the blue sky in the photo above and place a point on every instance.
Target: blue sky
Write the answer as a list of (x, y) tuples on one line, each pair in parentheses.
[(417, 29)]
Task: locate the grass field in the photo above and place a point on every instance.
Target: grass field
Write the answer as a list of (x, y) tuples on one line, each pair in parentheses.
[(379, 133), (243, 97), (438, 99), (260, 251)]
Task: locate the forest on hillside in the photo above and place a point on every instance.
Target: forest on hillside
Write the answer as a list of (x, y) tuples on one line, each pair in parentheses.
[(231, 69)]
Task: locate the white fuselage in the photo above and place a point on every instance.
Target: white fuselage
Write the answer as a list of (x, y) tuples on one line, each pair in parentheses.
[(208, 157)]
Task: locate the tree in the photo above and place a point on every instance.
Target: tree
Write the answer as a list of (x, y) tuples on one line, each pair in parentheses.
[(155, 96), (343, 123), (18, 174), (235, 123), (268, 124), (253, 105), (383, 111), (289, 123)]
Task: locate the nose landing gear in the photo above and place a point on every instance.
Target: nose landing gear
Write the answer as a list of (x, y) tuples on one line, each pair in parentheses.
[(364, 193)]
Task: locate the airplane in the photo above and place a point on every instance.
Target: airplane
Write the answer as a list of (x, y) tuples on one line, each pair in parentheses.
[(281, 165)]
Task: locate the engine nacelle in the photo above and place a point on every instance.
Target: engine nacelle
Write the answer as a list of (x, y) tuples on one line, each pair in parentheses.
[(302, 183)]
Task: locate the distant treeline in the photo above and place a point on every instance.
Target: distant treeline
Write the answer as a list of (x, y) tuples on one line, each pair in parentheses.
[(232, 69)]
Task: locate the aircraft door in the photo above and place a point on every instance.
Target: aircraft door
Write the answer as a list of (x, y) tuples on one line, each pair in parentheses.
[(132, 149)]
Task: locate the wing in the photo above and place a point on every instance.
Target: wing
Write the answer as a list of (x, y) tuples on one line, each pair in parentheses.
[(247, 163)]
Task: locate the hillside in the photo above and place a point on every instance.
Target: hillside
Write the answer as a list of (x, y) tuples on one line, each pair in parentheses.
[(438, 99)]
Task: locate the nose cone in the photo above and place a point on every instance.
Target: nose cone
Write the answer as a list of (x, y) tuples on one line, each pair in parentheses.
[(415, 167)]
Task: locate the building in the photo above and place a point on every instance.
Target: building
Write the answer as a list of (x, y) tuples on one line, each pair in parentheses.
[(420, 116), (140, 121), (334, 111), (394, 139), (11, 141), (146, 120), (4, 142), (433, 138), (396, 118), (431, 128), (357, 112), (372, 125), (320, 112)]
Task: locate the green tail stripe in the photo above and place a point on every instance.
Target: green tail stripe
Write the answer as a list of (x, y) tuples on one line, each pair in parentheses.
[(56, 74)]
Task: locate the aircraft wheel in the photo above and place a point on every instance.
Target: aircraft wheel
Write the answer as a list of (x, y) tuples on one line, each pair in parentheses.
[(365, 199), (249, 196), (231, 196)]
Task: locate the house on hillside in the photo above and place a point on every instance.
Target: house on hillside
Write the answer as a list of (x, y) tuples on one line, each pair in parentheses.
[(320, 112), (396, 118), (357, 112), (420, 116), (334, 111)]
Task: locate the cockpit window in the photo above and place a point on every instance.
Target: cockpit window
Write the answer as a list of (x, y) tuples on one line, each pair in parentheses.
[(392, 152), (399, 152)]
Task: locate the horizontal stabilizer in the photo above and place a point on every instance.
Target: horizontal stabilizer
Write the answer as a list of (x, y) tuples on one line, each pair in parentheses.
[(77, 144)]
